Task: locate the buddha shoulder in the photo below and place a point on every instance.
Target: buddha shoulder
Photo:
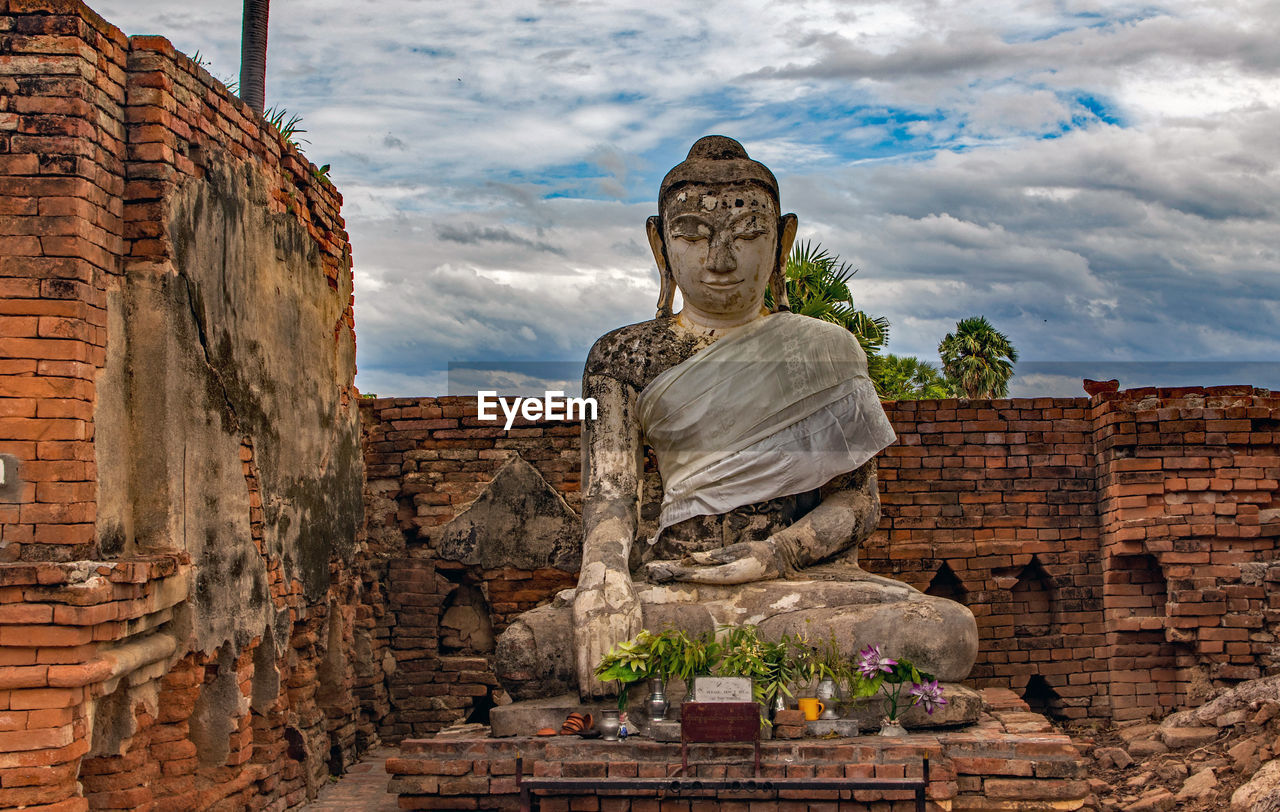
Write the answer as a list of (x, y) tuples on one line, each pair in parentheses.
[(637, 353)]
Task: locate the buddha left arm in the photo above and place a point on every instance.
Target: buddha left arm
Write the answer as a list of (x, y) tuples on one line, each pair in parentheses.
[(847, 515)]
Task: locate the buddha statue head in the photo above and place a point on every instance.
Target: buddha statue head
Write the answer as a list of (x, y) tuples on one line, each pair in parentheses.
[(720, 236)]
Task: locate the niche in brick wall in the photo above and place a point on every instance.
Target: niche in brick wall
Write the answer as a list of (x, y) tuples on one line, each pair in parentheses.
[(466, 630), (1032, 604), (1041, 697), (1136, 587), (465, 624), (114, 723), (946, 584), (265, 688), (217, 710), (332, 694)]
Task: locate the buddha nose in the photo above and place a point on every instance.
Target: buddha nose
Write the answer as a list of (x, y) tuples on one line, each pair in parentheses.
[(720, 257)]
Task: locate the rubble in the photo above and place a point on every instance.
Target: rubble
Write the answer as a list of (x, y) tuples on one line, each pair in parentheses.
[(1221, 756)]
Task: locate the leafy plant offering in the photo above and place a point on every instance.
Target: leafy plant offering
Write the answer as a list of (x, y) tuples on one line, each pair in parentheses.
[(670, 653), (772, 666)]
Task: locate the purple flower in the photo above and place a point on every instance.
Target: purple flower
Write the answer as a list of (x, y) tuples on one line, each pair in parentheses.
[(871, 662), (928, 694)]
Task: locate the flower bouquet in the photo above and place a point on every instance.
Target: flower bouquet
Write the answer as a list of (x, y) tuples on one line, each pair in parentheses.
[(874, 672)]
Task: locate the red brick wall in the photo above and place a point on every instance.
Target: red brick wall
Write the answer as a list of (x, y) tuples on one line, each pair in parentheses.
[(98, 682), (62, 153), (1115, 550), (425, 459)]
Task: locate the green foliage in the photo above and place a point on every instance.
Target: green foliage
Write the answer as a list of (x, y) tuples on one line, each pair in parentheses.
[(818, 286), (773, 667), (978, 358), (670, 653), (817, 661), (903, 377), (769, 665), (285, 123)]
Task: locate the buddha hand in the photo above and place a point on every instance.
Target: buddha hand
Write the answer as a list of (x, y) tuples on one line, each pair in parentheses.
[(605, 612), (736, 564)]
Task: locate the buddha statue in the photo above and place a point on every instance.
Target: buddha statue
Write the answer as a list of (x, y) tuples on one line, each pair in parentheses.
[(764, 426)]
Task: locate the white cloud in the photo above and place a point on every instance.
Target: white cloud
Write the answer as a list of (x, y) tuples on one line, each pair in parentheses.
[(1099, 179)]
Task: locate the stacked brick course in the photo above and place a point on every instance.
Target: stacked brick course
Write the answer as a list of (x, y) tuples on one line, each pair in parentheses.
[(1115, 550), (1011, 759), (99, 681), (425, 460), (62, 152), (1188, 496)]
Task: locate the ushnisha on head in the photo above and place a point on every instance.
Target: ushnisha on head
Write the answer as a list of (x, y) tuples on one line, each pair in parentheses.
[(719, 235)]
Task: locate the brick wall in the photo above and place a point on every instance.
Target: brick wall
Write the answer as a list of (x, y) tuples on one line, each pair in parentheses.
[(1010, 759), (62, 179), (1115, 550), (124, 682)]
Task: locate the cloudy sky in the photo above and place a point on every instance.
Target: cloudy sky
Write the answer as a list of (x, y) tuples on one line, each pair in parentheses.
[(1099, 179)]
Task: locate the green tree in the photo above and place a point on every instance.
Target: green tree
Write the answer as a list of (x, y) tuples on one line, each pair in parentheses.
[(978, 358), (818, 286), (903, 377)]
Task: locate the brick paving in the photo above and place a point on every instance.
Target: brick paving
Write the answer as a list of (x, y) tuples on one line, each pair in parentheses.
[(362, 789)]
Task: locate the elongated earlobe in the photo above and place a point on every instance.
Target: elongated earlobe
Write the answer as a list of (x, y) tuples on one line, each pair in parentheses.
[(778, 287), (667, 290), (787, 225)]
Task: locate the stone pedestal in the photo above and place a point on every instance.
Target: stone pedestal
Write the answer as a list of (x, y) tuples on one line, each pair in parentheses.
[(1010, 759)]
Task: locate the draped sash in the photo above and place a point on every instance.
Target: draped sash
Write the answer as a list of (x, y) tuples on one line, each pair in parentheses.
[(779, 407)]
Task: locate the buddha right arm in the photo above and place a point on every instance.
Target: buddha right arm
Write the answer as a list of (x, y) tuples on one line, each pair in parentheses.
[(605, 608)]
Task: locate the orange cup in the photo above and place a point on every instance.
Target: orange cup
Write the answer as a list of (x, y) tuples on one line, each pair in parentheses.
[(811, 708)]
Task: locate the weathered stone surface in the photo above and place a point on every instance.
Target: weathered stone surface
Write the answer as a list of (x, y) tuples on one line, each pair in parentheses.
[(1244, 756), (936, 634), (1136, 732), (1176, 737), (534, 656), (1199, 786), (964, 706), (1171, 770), (1245, 695), (667, 730), (225, 400), (1113, 757), (1233, 717), (528, 717), (1259, 793), (517, 521), (832, 727), (1157, 800), (1147, 747)]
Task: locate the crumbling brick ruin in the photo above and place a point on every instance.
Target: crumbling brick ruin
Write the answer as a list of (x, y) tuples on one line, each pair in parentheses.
[(185, 619), (1119, 552), (222, 574)]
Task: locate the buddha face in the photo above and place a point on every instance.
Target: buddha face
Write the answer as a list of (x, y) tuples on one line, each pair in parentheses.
[(722, 246)]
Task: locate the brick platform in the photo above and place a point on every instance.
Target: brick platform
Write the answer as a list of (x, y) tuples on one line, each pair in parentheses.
[(1012, 759)]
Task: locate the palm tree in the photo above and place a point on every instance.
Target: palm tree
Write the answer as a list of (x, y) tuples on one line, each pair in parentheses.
[(908, 378), (818, 286), (253, 54), (978, 358)]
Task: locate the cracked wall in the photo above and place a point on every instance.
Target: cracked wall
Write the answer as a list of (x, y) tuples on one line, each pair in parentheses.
[(177, 357), (233, 433), (1031, 512)]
